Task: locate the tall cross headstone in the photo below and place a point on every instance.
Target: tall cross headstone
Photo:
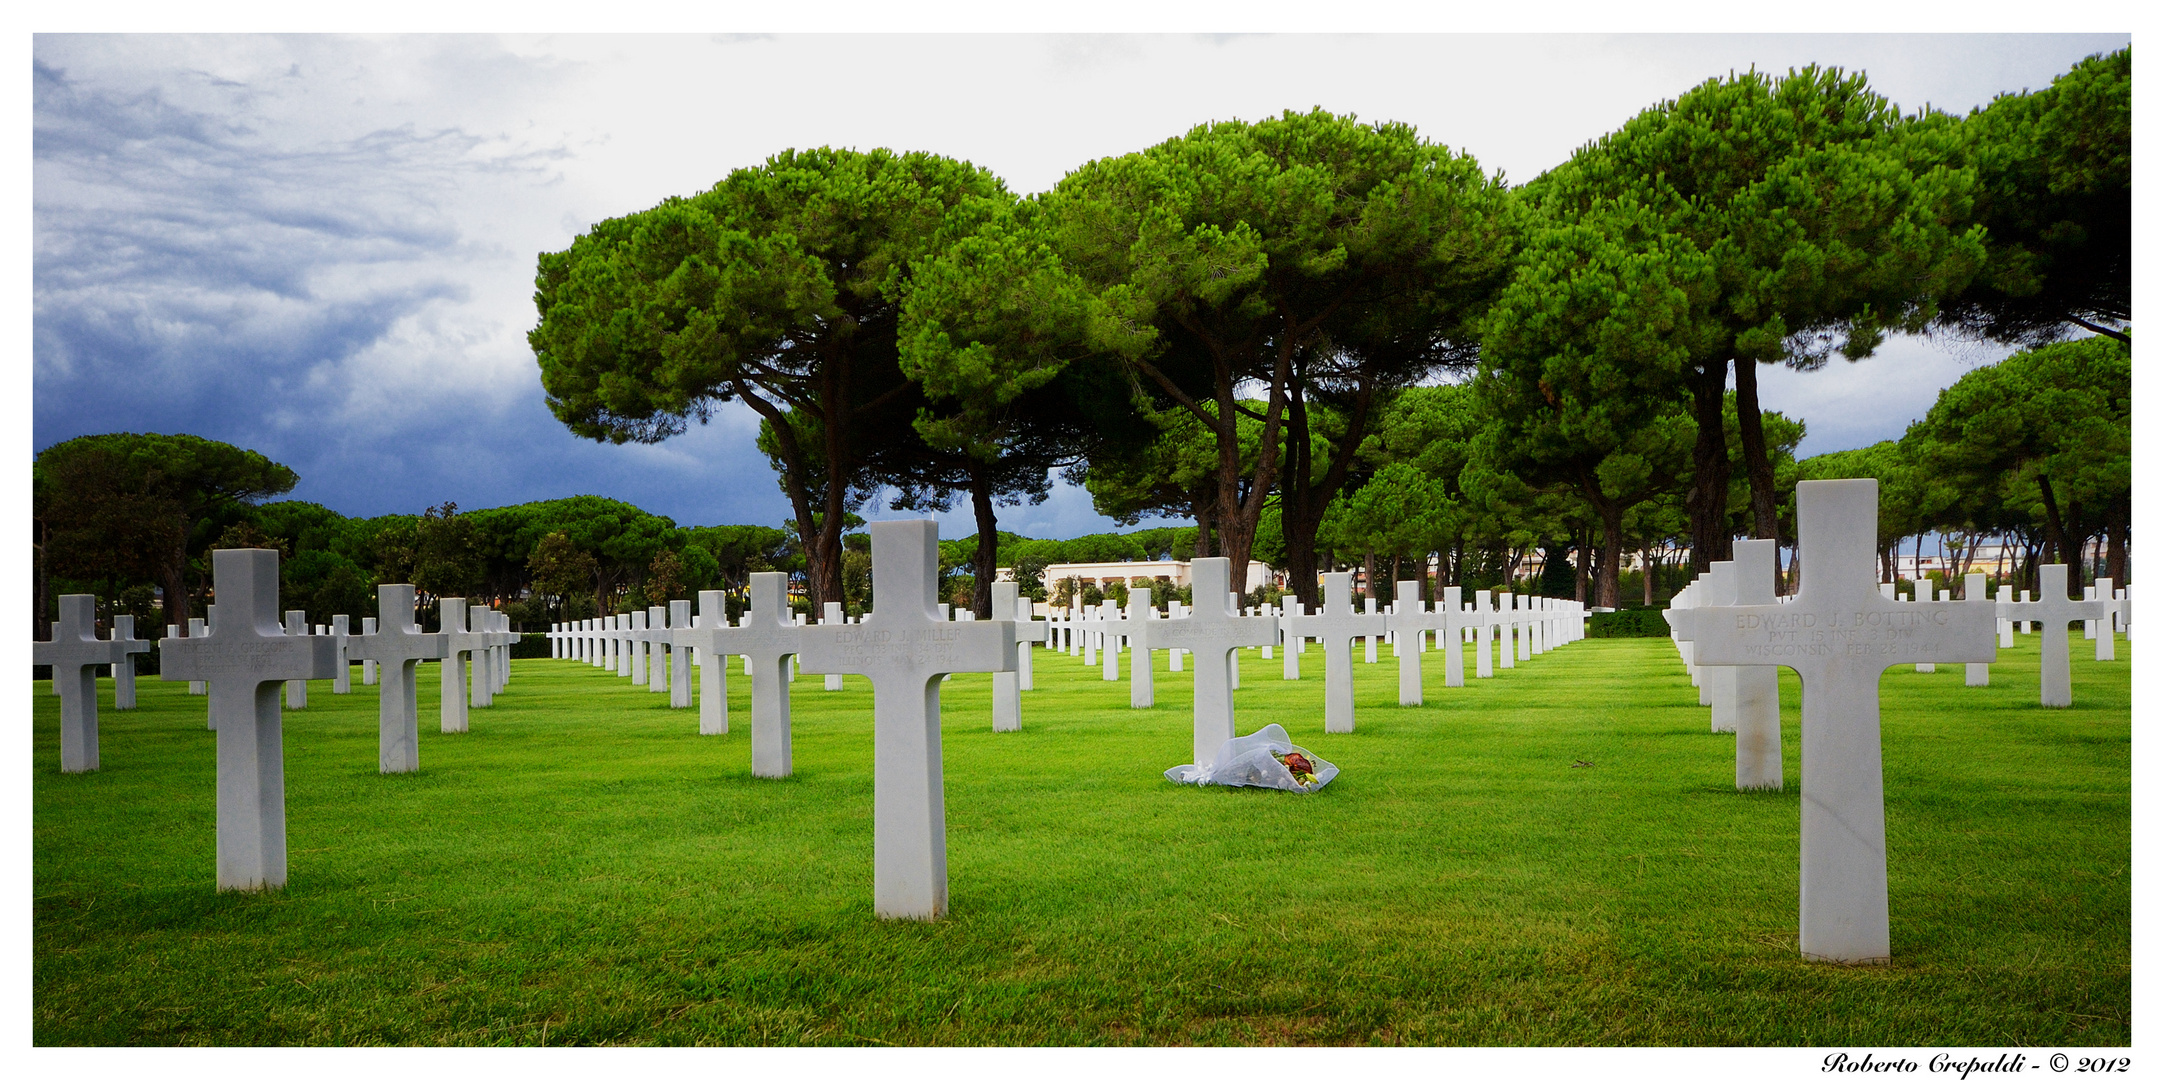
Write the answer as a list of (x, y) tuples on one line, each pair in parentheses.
[(2104, 647), (1213, 633), (399, 646), (74, 654), (342, 678), (1407, 621), (243, 661), (769, 644), (1007, 606), (832, 616), (1972, 588), (1028, 632), (1757, 690), (678, 617), (368, 667), (459, 642), (1336, 625), (1290, 612), (656, 645), (124, 668), (2053, 609), (1142, 674), (905, 649), (197, 628), (1720, 682), (297, 689), (1839, 636)]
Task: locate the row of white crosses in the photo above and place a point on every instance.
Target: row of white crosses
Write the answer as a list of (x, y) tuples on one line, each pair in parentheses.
[(1839, 633), (1537, 624)]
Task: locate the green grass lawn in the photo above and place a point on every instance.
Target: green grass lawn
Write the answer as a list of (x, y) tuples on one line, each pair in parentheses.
[(583, 867)]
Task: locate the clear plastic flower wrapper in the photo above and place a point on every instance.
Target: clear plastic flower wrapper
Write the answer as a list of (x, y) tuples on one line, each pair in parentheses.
[(1266, 758)]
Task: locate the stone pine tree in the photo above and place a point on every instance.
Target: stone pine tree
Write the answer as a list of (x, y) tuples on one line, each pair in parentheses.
[(991, 330), (1232, 252), (1824, 219), (1584, 363), (779, 287), (2057, 421), (152, 501), (2055, 191)]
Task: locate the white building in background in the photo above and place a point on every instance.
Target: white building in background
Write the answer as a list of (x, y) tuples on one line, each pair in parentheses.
[(1101, 573)]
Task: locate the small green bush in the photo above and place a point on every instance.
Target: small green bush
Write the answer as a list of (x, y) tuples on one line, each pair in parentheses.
[(1629, 622)]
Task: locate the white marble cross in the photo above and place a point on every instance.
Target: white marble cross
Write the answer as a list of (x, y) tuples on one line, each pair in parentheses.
[(1449, 620), (459, 642), (1368, 607), (1485, 618), (2104, 647), (1972, 587), (297, 689), (1212, 633), (1028, 633), (197, 628), (1336, 625), (342, 679), (714, 640), (368, 667), (2054, 609), (1290, 612), (654, 643), (124, 668), (1142, 676), (1108, 650), (1175, 610), (1718, 589), (1407, 621), (74, 654), (906, 650), (832, 616), (768, 638), (676, 616), (1756, 711), (399, 646), (1839, 635), (1007, 685), (244, 661)]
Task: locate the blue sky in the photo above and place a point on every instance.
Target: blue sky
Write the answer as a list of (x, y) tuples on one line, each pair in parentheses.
[(323, 247)]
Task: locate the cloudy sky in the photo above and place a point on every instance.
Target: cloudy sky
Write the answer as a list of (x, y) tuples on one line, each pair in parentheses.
[(323, 247)]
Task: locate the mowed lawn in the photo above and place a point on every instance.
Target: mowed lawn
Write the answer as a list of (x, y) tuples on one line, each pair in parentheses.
[(584, 867)]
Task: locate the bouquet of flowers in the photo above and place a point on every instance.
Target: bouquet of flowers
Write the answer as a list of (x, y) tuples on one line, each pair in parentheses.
[(1298, 765), (1266, 758)]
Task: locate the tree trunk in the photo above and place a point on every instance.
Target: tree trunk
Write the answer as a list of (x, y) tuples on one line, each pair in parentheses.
[(2055, 537), (1607, 580), (1646, 566), (1751, 431), (987, 561), (1367, 570), (176, 590), (1707, 499), (1297, 515), (2115, 548)]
